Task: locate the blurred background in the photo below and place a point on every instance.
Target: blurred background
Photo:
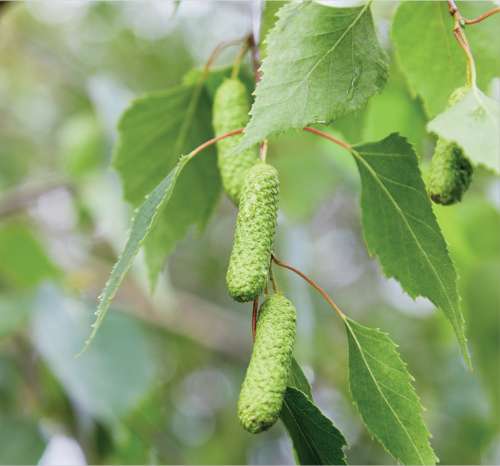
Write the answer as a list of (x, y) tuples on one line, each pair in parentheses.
[(161, 381)]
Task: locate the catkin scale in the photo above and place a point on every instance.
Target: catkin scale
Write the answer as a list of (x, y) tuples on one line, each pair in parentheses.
[(248, 268), (263, 390), (450, 172), (230, 112)]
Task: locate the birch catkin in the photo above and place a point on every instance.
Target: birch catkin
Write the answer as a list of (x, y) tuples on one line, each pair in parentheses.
[(263, 389), (230, 111), (254, 234)]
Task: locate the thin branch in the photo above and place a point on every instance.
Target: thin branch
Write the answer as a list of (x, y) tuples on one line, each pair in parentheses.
[(463, 42), (331, 138), (255, 312), (237, 62), (263, 150), (483, 16), (208, 143), (311, 282), (254, 47)]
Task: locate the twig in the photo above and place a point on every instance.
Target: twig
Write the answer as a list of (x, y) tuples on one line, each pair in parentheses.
[(263, 150), (463, 42), (254, 47), (255, 312), (483, 16), (237, 62), (208, 143), (331, 138), (311, 282)]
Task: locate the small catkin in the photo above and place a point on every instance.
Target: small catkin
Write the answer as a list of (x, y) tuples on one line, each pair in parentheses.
[(450, 172), (230, 111), (248, 269), (263, 389)]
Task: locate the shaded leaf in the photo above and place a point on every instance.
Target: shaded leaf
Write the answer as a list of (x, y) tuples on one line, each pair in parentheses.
[(315, 439), (473, 123), (322, 62), (382, 390), (153, 131), (434, 64), (142, 223), (401, 229)]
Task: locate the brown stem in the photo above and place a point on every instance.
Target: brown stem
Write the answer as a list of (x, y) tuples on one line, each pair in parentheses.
[(331, 138), (255, 58), (208, 143), (483, 16), (462, 41), (255, 311), (311, 282), (217, 51), (263, 150)]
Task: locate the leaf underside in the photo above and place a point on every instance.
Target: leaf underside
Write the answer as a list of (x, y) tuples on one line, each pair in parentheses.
[(321, 63), (400, 227), (473, 123), (382, 390)]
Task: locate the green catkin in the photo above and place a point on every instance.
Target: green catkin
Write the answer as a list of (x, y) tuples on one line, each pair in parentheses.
[(231, 107), (450, 172), (263, 389), (248, 269)]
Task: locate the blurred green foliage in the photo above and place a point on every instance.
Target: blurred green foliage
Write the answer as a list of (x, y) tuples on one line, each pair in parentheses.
[(161, 381)]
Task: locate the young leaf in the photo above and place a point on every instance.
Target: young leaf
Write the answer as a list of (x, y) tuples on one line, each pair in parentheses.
[(473, 124), (401, 229), (152, 133), (382, 390), (142, 223), (423, 34), (315, 439), (321, 63)]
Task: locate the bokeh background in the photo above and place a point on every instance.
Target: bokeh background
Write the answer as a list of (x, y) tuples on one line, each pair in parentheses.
[(161, 381)]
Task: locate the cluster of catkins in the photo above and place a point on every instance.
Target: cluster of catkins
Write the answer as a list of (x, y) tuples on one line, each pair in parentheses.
[(253, 185), (450, 171)]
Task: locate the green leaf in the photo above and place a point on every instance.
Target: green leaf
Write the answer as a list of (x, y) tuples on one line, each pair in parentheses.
[(401, 229), (267, 23), (142, 223), (315, 439), (382, 390), (322, 62), (431, 58), (24, 263), (473, 124), (152, 133), (394, 110)]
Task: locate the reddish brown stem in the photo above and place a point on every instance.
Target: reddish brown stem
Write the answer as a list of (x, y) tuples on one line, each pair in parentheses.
[(483, 16), (462, 41), (331, 138), (255, 58), (311, 282), (255, 311), (208, 143)]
